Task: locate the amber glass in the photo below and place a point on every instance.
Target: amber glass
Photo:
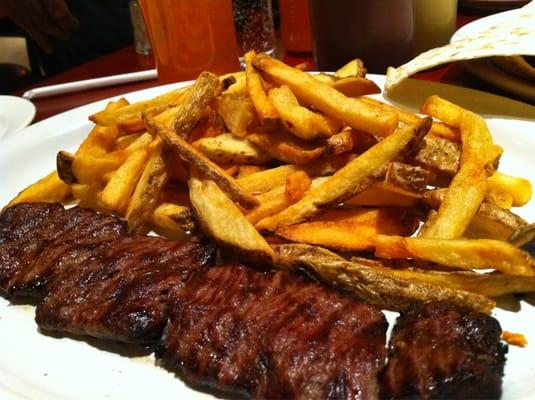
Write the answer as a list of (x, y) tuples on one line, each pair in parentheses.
[(295, 26), (191, 36)]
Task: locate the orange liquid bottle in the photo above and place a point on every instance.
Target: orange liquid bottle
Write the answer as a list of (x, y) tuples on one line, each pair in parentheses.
[(295, 26), (191, 36)]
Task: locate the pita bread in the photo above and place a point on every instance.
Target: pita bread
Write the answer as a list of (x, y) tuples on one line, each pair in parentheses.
[(511, 37)]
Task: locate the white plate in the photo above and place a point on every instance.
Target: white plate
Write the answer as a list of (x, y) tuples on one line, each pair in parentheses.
[(484, 68), (15, 113), (38, 366)]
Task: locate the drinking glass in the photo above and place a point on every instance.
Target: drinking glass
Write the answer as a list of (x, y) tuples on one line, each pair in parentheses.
[(191, 36), (380, 32), (435, 23)]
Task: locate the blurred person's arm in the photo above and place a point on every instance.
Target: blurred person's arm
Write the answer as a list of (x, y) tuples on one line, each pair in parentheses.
[(42, 20)]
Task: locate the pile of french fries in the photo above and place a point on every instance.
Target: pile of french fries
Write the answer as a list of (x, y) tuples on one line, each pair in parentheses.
[(307, 171)]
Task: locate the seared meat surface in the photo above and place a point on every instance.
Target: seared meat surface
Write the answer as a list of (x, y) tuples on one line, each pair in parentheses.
[(121, 292), (438, 350), (262, 334), (38, 240), (273, 335)]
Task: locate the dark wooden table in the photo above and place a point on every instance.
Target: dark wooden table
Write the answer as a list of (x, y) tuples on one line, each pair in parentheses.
[(126, 60)]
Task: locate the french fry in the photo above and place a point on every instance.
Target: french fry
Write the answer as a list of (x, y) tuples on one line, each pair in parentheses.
[(128, 112), (275, 200), (87, 169), (221, 219), (354, 68), (88, 196), (246, 170), (99, 141), (468, 187), (142, 142), (355, 177), (519, 189), (263, 181), (50, 189), (442, 109), (459, 253), (228, 149), (299, 120), (134, 125), (123, 142), (287, 148), (351, 229), (118, 190), (378, 287), (377, 196), (330, 101), (297, 183), (267, 114), (237, 112), (190, 110), (344, 141), (147, 192), (174, 220), (229, 185), (356, 86)]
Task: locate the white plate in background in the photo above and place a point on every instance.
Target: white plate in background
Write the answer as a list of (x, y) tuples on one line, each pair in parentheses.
[(38, 366), (15, 113)]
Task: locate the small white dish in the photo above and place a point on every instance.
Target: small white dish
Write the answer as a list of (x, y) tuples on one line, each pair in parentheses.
[(15, 113)]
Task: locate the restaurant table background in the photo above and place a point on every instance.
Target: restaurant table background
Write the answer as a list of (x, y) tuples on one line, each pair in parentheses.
[(127, 60)]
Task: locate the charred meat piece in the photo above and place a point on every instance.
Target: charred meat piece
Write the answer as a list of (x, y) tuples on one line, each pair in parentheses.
[(439, 350), (92, 235), (25, 229), (273, 335), (121, 292)]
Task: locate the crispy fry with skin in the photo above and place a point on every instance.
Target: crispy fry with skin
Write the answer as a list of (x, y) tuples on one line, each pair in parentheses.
[(353, 178), (147, 192), (134, 125), (246, 170), (440, 155), (328, 100), (468, 187), (228, 149), (351, 229), (228, 184), (99, 141), (375, 286), (88, 196), (221, 219), (50, 189), (408, 180), (459, 253), (297, 183), (299, 120), (287, 148), (267, 114), (491, 284), (117, 192), (86, 168), (344, 141), (190, 110)]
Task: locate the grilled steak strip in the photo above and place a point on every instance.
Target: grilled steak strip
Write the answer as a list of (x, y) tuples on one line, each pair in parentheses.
[(121, 292), (273, 335), (439, 350), (38, 239)]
